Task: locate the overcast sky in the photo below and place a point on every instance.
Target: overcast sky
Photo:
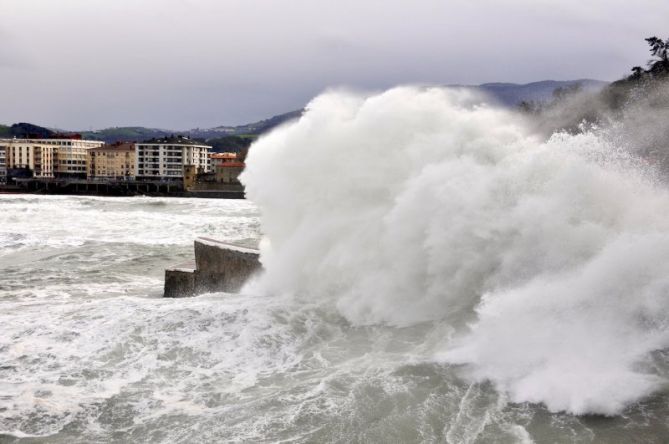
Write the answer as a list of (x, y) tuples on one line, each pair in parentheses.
[(180, 64)]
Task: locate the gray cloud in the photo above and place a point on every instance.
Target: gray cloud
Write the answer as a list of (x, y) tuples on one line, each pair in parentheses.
[(187, 63), (10, 55)]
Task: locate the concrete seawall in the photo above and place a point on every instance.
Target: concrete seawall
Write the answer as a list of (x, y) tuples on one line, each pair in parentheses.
[(218, 267), (122, 188)]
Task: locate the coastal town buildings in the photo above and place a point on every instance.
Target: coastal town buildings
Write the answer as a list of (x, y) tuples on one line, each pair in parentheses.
[(194, 175), (224, 172), (29, 157), (71, 156), (229, 172), (170, 165), (62, 157), (217, 159), (165, 158), (226, 167), (115, 161), (3, 163)]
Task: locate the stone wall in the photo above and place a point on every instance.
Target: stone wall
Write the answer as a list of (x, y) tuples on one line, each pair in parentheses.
[(218, 267), (180, 281)]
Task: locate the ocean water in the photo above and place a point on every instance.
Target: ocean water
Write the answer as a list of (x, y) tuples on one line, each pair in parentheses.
[(433, 273), (539, 262), (90, 352)]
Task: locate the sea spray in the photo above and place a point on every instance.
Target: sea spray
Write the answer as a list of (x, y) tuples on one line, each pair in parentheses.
[(550, 259), (91, 352)]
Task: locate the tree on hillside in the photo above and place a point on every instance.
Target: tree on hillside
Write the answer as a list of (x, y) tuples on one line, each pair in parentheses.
[(235, 144), (637, 73), (660, 50)]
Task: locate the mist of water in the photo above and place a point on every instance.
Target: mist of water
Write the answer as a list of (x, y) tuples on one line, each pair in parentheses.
[(548, 259)]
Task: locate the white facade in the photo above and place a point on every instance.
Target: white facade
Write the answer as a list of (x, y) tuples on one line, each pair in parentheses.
[(49, 157), (31, 155), (70, 155), (166, 158)]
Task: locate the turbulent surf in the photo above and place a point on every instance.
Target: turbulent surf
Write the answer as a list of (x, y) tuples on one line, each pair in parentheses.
[(546, 260), (434, 272)]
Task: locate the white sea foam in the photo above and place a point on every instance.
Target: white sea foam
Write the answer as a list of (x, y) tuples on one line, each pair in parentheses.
[(29, 222), (549, 258), (83, 354)]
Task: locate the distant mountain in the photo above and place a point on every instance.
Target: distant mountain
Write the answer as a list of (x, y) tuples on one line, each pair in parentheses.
[(23, 130), (250, 129), (511, 94), (139, 133), (127, 134), (235, 138)]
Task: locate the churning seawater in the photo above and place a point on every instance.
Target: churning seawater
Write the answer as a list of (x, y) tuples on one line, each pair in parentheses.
[(89, 352), (433, 272)]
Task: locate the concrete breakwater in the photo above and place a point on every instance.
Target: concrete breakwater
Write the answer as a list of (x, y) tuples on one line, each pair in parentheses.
[(218, 267)]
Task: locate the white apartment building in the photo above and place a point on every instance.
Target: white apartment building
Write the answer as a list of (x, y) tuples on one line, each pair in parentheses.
[(28, 154), (49, 157), (166, 158), (70, 155)]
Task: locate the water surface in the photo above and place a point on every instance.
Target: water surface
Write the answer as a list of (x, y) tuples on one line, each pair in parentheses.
[(90, 352)]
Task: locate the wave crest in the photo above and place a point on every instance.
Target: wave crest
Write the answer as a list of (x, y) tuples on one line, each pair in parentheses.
[(550, 258)]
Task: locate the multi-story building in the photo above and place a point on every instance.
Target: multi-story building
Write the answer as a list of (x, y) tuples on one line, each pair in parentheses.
[(229, 172), (31, 156), (217, 159), (116, 161), (3, 162), (226, 167), (71, 156), (64, 157), (166, 158)]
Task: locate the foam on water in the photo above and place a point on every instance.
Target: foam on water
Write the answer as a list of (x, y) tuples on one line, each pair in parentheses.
[(549, 259), (109, 349), (441, 265), (137, 220)]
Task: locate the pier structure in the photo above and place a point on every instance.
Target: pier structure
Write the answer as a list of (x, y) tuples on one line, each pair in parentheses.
[(218, 267)]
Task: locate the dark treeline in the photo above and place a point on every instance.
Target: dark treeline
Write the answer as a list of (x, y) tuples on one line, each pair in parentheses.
[(231, 144), (633, 110), (642, 82), (619, 94), (26, 130)]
